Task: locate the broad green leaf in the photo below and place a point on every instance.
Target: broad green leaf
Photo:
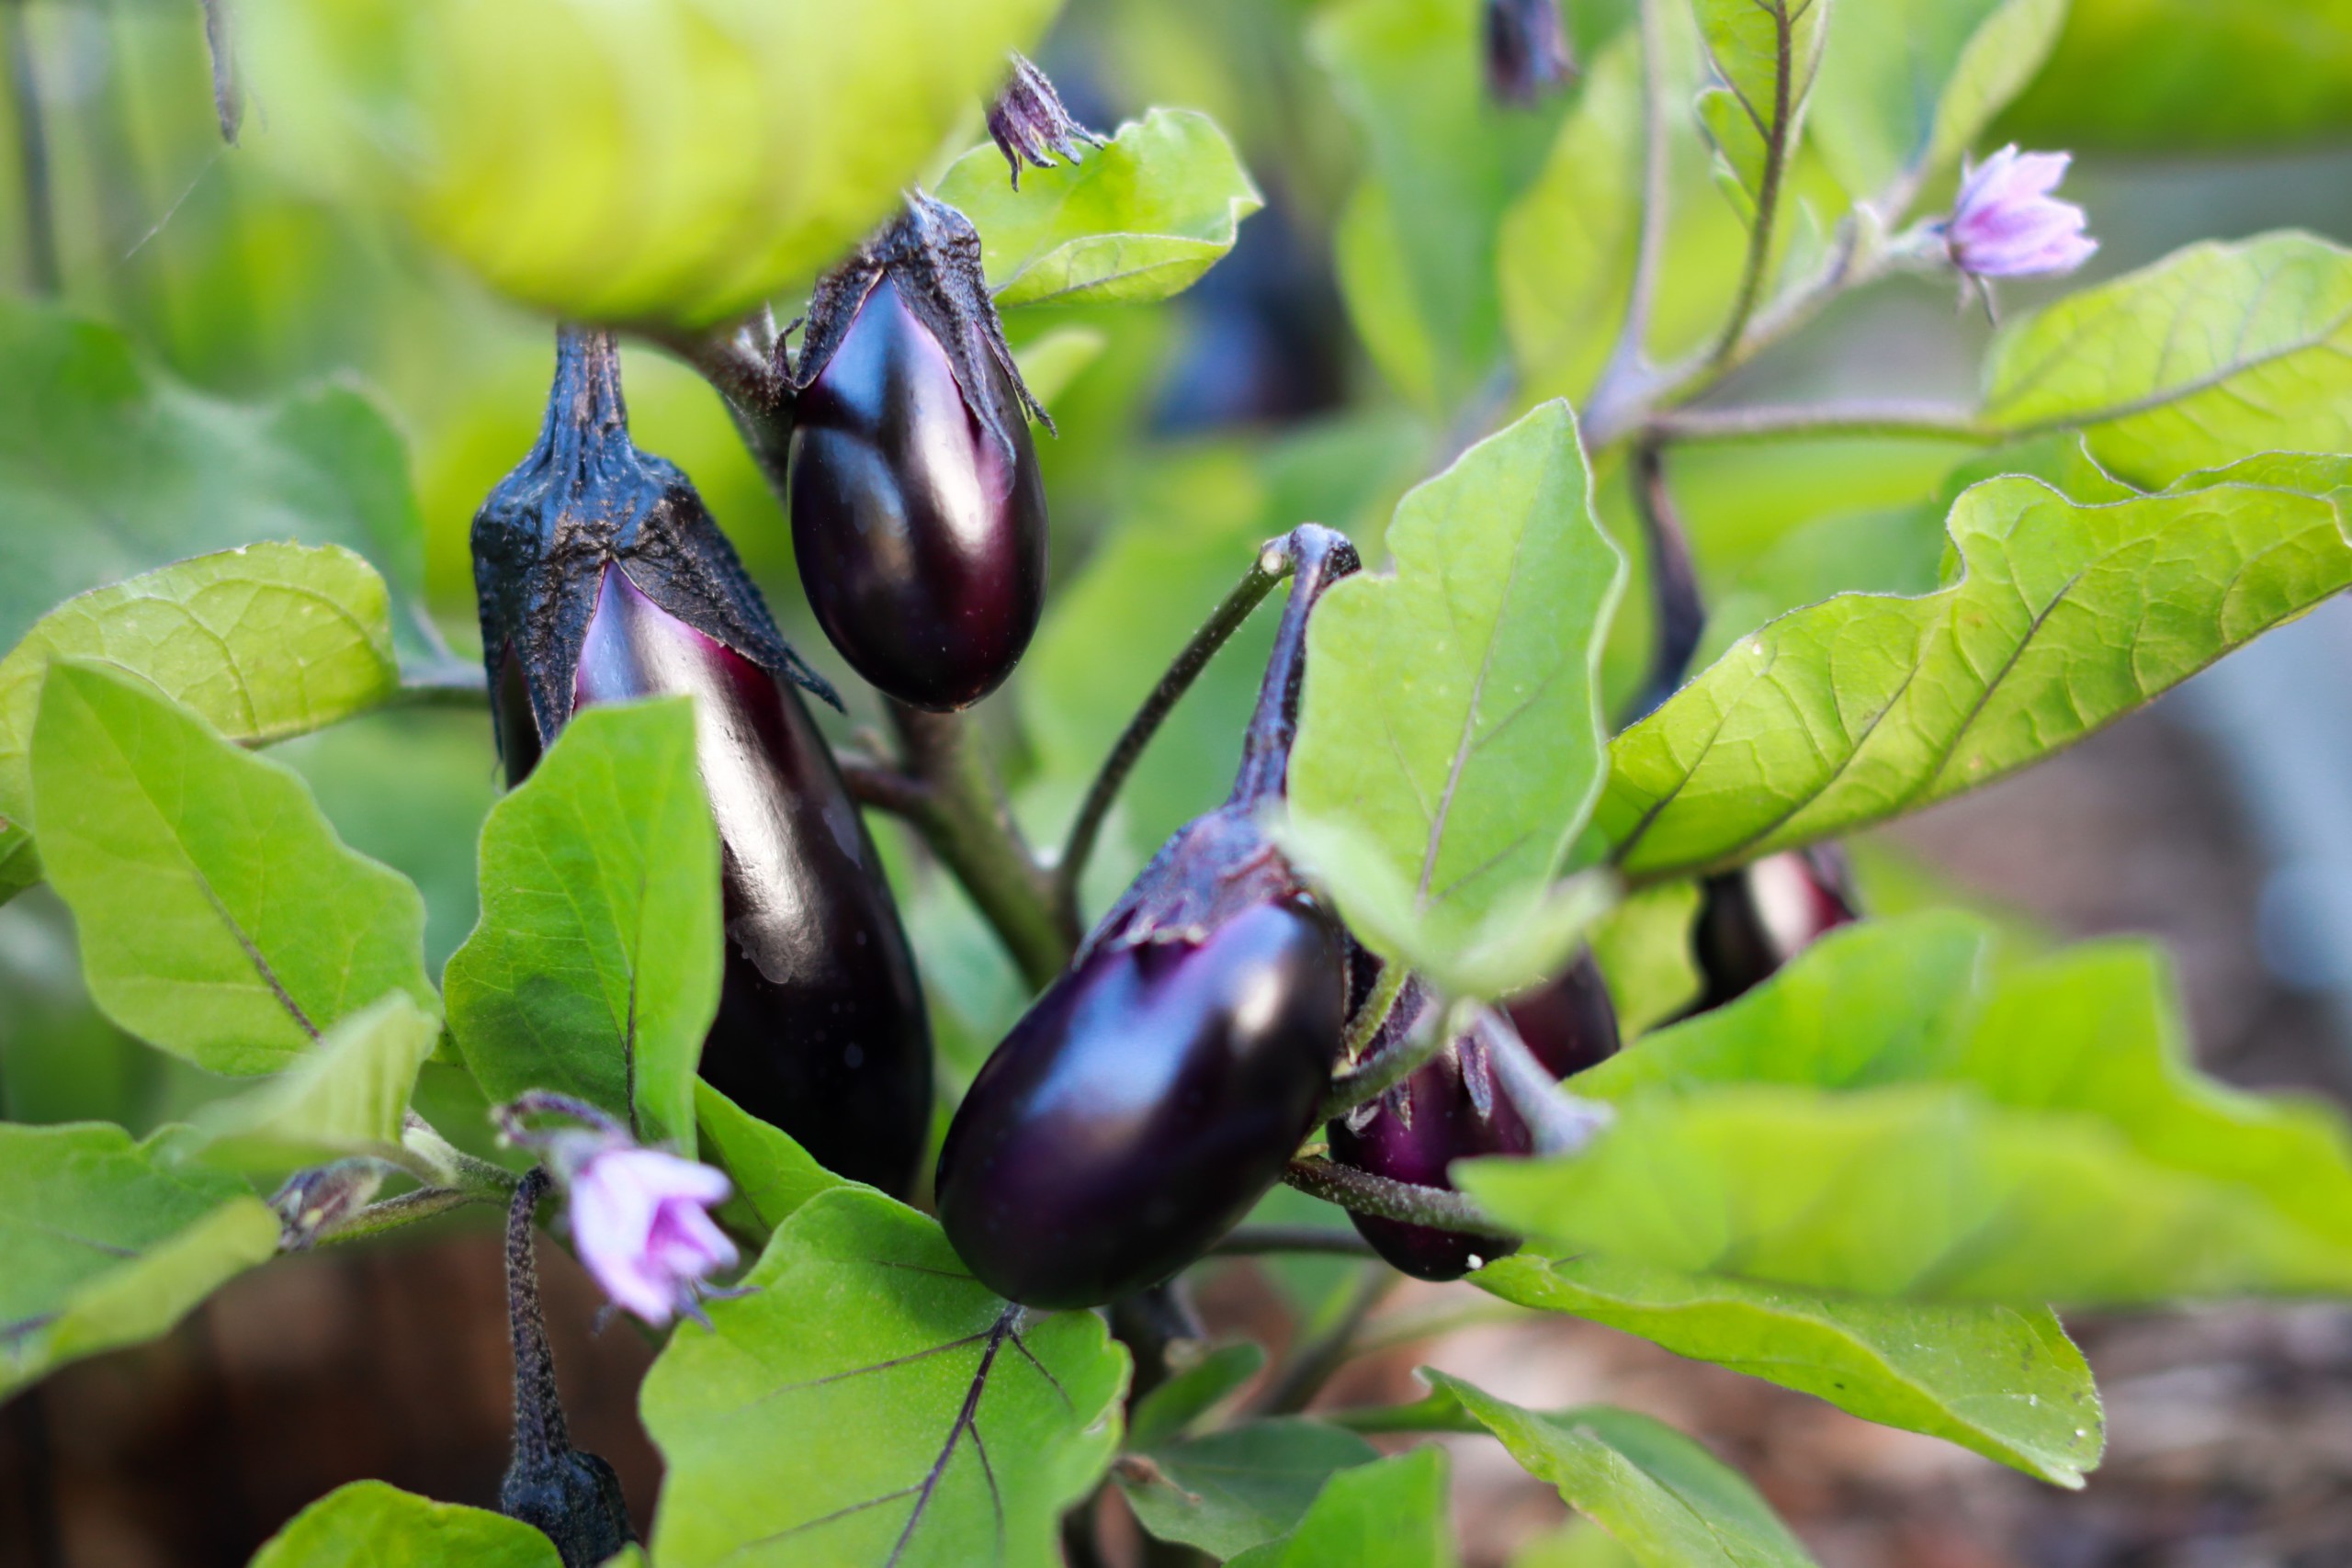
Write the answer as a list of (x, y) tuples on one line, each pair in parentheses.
[(384, 1527), (1566, 251), (773, 1175), (267, 642), (1643, 946), (109, 1242), (2003, 1380), (1768, 53), (2216, 353), (2065, 617), (1134, 222), (1578, 1544), (1388, 1514), (869, 1403), (676, 161), (1907, 86), (1939, 1132), (1231, 1489), (1450, 720), (108, 468), (595, 968), (1052, 360), (1667, 1501), (1169, 1410), (220, 918), (1417, 249), (2181, 74), (344, 1098)]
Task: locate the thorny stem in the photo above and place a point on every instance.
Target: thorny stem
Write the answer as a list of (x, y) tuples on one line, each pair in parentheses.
[(1410, 1043), (41, 268), (1364, 1193), (540, 1431), (1304, 1377), (1768, 194), (1274, 564), (1257, 1241), (1319, 557)]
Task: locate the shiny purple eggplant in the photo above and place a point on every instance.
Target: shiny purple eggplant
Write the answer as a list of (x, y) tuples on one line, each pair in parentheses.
[(602, 579), (1157, 1089), (1451, 1109), (1755, 919), (918, 514)]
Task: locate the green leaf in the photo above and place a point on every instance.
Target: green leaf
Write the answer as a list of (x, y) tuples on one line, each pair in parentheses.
[(773, 1175), (1643, 946), (108, 1243), (642, 160), (1417, 247), (1768, 53), (1228, 1490), (2218, 352), (869, 1403), (220, 918), (1667, 1500), (1907, 86), (384, 1527), (1388, 1514), (267, 642), (2065, 617), (1135, 221), (595, 969), (346, 1098), (1052, 360), (1169, 1410), (1452, 719), (1939, 1132), (108, 468), (2003, 1380)]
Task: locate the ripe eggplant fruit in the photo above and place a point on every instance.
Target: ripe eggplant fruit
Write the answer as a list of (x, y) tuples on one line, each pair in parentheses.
[(1156, 1090), (1450, 1109), (918, 516), (1755, 919), (602, 579)]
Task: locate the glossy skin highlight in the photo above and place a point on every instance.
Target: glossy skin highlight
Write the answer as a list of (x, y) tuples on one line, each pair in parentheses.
[(922, 549), (821, 1029), (1142, 1106)]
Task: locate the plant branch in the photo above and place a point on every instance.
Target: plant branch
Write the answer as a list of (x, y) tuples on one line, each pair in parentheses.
[(963, 815), (1311, 1367), (1887, 417), (1364, 1028), (392, 1214), (42, 271), (1628, 360), (1679, 613), (1257, 1241), (1768, 192), (1364, 1193), (1274, 564), (1415, 1037)]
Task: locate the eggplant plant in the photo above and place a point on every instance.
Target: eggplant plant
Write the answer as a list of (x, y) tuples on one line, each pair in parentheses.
[(925, 1070)]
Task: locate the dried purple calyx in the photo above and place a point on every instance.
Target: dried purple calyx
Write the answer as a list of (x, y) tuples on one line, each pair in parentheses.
[(1527, 49), (932, 253), (1028, 121), (586, 498)]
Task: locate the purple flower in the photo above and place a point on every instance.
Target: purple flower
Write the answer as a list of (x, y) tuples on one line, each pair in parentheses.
[(2007, 224), (640, 1221), (1028, 121)]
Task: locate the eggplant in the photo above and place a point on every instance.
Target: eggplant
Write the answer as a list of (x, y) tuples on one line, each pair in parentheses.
[(918, 514), (1158, 1089), (602, 579), (1527, 50), (1755, 919), (1450, 1109)]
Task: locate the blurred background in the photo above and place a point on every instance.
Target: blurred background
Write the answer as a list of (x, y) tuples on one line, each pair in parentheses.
[(2221, 821)]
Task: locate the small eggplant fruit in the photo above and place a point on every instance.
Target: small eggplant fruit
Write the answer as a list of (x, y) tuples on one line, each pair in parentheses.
[(1527, 50), (1451, 1109), (1156, 1090), (1755, 919), (602, 578), (918, 516)]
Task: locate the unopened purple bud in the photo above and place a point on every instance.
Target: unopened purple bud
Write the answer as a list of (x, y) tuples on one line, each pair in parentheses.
[(2005, 222), (315, 1201), (1527, 49), (1028, 121)]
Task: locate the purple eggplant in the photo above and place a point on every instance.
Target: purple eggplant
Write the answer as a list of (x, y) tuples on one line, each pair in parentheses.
[(918, 514), (1450, 1109), (1156, 1090), (1755, 919), (603, 579), (1527, 49)]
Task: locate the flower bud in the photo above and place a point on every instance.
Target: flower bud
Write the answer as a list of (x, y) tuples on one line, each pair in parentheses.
[(918, 514), (315, 1201), (1527, 49), (1027, 122), (1154, 1093), (2005, 223)]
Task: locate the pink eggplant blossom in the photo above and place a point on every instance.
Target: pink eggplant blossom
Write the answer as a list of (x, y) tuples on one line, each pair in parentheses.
[(640, 1219), (2007, 224)]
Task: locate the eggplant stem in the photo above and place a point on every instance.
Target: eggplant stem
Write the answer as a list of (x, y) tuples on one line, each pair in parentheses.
[(1405, 1053), (1364, 1028), (1258, 1241), (1362, 1192), (1560, 1123), (1319, 557)]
